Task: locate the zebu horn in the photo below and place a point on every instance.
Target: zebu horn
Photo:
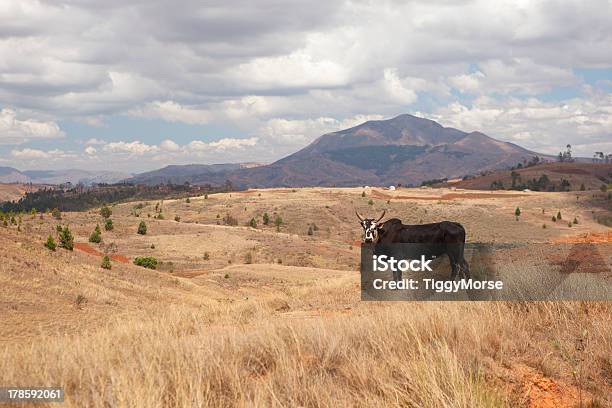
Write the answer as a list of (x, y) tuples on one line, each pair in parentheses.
[(381, 216), (359, 216)]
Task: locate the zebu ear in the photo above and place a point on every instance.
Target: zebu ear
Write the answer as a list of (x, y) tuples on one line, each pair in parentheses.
[(381, 216), (359, 216)]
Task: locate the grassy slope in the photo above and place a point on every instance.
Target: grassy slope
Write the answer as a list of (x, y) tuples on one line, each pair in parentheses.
[(219, 334)]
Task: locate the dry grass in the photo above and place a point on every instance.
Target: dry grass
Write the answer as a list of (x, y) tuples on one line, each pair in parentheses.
[(264, 334), (432, 355)]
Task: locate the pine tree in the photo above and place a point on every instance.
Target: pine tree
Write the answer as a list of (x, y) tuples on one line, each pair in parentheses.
[(106, 263), (108, 224), (142, 228), (50, 243), (266, 218), (66, 240), (105, 212)]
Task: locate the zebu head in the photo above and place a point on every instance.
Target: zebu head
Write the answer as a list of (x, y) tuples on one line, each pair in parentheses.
[(370, 227)]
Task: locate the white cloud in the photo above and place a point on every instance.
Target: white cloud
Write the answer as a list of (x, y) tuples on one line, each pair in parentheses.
[(134, 148), (172, 112), (542, 126), (34, 154), (222, 144), (14, 130), (90, 151), (93, 141), (169, 146)]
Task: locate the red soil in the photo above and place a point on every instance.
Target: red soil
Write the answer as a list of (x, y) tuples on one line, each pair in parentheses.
[(81, 246)]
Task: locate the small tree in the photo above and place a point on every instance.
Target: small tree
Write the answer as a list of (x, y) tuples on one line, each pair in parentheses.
[(559, 215), (582, 187), (554, 219), (105, 212), (188, 200), (142, 228), (253, 223), (177, 218), (50, 243), (206, 196), (310, 230), (248, 258), (370, 202), (66, 240), (278, 221), (266, 218), (95, 236), (56, 213), (363, 194), (108, 224), (575, 220), (106, 263)]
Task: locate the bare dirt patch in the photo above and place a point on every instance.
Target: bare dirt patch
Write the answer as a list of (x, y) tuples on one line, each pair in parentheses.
[(81, 246)]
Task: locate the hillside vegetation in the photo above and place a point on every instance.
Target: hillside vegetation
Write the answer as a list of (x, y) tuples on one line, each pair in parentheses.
[(269, 314)]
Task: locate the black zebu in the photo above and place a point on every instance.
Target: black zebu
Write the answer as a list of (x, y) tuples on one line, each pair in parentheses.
[(434, 239)]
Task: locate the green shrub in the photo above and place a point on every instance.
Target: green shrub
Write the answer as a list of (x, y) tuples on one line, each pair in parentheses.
[(142, 228), (177, 218), (146, 262), (310, 230), (95, 237), (66, 240), (206, 256), (559, 215), (266, 218), (363, 194), (187, 200), (56, 213), (370, 202), (543, 226), (50, 243), (575, 220), (554, 219), (517, 212), (278, 221), (105, 212), (108, 224), (252, 223), (106, 263)]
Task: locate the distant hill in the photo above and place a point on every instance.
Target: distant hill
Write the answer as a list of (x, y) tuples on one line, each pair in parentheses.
[(12, 175), (591, 175), (74, 176), (192, 173)]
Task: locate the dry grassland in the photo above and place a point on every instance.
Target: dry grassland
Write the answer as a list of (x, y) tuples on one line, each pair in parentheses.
[(214, 327)]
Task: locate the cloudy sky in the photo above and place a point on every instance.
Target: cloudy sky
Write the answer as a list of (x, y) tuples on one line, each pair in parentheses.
[(100, 85)]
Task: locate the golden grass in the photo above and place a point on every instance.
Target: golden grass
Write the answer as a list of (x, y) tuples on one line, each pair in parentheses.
[(402, 354), (283, 335)]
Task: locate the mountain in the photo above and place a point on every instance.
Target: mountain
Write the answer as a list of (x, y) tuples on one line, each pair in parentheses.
[(192, 173), (12, 175), (74, 176), (406, 149)]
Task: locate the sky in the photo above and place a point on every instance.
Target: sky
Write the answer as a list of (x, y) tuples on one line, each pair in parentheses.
[(102, 85)]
